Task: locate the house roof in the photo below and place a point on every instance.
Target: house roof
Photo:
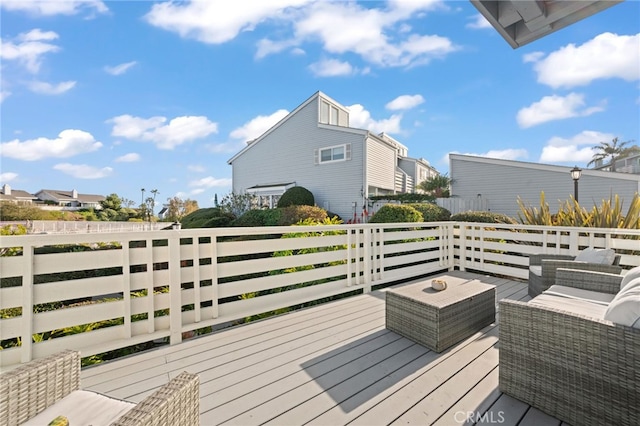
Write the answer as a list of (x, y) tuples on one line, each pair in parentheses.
[(17, 194), (68, 196), (520, 22)]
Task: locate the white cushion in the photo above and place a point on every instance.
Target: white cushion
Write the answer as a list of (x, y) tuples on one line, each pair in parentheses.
[(593, 255), (536, 270), (625, 307), (577, 293), (83, 408), (631, 274), (576, 306)]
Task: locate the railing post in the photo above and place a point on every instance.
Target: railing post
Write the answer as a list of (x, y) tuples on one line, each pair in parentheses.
[(175, 291), (214, 274), (27, 303), (368, 254), (126, 288), (349, 256), (462, 256)]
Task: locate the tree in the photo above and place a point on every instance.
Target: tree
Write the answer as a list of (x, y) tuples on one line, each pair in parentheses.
[(153, 201), (178, 208), (236, 204), (112, 201), (438, 186), (612, 150)]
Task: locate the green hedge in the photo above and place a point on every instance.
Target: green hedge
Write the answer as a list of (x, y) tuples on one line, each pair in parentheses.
[(213, 217), (483, 217), (296, 196), (432, 212), (396, 213)]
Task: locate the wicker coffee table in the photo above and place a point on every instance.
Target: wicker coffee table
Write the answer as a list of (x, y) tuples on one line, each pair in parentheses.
[(440, 319)]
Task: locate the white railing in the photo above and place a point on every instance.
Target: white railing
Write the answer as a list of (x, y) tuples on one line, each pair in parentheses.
[(138, 281)]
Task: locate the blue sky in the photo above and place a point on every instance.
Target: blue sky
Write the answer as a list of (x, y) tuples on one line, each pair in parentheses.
[(111, 97)]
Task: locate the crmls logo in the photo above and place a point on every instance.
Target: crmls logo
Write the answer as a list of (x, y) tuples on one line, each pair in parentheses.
[(486, 418)]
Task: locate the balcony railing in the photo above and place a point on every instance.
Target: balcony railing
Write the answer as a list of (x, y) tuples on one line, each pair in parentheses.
[(161, 284)]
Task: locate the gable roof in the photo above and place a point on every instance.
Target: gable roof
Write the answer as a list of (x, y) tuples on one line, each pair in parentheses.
[(68, 196)]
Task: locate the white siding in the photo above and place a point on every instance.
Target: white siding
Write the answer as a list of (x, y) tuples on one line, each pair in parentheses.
[(381, 164), (502, 181), (286, 155)]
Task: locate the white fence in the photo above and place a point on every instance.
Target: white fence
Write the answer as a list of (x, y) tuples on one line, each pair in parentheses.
[(81, 227), (160, 284), (460, 205)]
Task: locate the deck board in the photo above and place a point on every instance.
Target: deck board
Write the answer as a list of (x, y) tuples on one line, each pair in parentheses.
[(332, 364)]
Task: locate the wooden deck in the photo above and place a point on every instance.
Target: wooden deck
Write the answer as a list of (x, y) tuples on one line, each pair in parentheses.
[(332, 364)]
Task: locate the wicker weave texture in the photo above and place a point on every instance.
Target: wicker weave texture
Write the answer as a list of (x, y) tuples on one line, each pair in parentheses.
[(36, 385), (439, 320), (589, 280), (584, 371)]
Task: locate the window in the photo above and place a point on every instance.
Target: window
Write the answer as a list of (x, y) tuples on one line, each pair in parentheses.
[(328, 114), (334, 153)]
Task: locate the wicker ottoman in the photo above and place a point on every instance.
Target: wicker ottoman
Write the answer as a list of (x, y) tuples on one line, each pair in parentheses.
[(440, 319)]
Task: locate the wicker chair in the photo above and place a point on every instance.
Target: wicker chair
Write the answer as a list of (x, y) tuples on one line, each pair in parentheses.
[(31, 388), (582, 370), (547, 265)]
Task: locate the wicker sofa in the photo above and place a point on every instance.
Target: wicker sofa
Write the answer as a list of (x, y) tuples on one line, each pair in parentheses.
[(543, 267), (45, 385), (562, 357)]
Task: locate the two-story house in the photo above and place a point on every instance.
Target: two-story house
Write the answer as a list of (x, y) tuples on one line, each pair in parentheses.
[(314, 147)]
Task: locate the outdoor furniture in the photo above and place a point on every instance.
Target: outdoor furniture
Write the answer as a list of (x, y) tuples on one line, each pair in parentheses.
[(562, 353), (542, 267), (43, 389), (440, 319)]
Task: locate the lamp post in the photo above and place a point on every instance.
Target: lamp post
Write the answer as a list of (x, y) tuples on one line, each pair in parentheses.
[(576, 172)]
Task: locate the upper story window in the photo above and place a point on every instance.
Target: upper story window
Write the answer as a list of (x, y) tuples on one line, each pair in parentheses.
[(328, 113), (333, 154)]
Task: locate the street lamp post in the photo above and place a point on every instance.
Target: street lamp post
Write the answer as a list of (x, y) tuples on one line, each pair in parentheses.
[(576, 172)]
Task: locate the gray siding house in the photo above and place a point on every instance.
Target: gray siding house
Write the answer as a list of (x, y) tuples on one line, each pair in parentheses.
[(314, 147), (501, 182)]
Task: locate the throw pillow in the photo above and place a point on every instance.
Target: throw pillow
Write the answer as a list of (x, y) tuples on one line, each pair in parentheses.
[(593, 255), (624, 309), (632, 274)]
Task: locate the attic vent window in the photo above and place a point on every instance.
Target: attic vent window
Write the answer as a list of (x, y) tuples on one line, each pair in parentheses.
[(328, 113)]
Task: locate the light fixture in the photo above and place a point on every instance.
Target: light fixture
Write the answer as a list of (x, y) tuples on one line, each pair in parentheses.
[(576, 172)]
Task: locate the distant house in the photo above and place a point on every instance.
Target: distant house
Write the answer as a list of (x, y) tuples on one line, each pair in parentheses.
[(16, 196), (314, 147), (630, 164), (70, 200), (501, 182)]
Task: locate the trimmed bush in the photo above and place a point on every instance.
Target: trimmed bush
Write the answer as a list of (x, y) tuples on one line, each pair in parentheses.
[(296, 196), (294, 214), (258, 217), (395, 213), (483, 217), (432, 212), (213, 217)]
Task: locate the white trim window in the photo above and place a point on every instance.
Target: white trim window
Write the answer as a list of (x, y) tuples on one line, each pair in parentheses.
[(328, 113), (333, 154)]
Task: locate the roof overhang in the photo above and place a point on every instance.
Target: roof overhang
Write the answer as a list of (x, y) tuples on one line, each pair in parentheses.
[(522, 21)]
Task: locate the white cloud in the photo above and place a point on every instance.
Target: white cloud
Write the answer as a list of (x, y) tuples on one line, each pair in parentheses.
[(506, 154), (4, 94), (555, 107), (119, 69), (131, 157), (210, 182), (45, 88), (577, 149), (478, 22), (196, 168), (69, 142), (331, 68), (217, 22), (258, 125), (83, 171), (360, 118), (405, 102), (8, 177), (532, 57), (605, 56), (28, 48), (378, 35), (59, 7), (176, 132)]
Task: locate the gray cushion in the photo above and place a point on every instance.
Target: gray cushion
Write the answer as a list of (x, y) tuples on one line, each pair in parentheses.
[(625, 307), (630, 275), (576, 306), (536, 270), (581, 294), (83, 408), (593, 255)]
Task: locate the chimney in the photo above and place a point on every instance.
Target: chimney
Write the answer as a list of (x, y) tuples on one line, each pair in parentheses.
[(74, 194), (6, 189)]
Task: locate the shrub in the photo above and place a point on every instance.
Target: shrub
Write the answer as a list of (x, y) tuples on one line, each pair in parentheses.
[(432, 212), (259, 217), (213, 217), (294, 214), (407, 197), (394, 213), (483, 217), (296, 196)]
